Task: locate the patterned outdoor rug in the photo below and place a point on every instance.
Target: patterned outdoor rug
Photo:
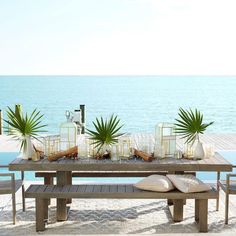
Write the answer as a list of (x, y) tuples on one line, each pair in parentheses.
[(111, 217)]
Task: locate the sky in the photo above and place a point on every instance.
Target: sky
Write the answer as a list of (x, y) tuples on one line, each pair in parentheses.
[(117, 37)]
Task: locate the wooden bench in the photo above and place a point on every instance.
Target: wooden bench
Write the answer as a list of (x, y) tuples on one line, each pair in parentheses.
[(42, 193)]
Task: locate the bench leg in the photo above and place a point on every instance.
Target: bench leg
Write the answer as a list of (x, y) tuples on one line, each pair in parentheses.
[(176, 210), (14, 208), (226, 208), (48, 181), (203, 212), (197, 210), (40, 206)]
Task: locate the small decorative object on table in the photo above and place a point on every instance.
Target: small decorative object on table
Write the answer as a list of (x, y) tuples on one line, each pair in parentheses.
[(68, 133), (145, 156), (189, 126), (124, 146), (165, 140), (24, 127), (51, 144), (69, 153), (209, 150), (105, 135)]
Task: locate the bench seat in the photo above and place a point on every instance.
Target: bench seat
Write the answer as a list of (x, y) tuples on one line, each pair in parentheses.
[(118, 191), (127, 191)]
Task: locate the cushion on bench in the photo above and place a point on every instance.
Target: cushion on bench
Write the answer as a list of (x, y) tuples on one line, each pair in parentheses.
[(157, 183), (188, 183)]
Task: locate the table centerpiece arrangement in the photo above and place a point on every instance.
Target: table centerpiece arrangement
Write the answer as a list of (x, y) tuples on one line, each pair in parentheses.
[(24, 127), (189, 125)]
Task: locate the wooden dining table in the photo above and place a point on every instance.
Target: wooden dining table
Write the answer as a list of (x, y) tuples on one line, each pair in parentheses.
[(65, 166)]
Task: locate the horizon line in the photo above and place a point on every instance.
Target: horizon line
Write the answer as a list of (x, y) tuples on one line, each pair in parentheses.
[(122, 75)]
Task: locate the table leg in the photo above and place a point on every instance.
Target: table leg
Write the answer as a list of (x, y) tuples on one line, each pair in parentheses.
[(197, 210), (61, 203), (69, 182), (48, 181), (176, 210), (170, 201), (218, 190)]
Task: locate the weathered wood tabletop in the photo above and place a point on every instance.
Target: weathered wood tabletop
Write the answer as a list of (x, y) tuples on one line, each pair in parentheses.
[(216, 163)]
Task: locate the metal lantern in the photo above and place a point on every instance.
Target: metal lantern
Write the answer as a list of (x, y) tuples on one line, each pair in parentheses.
[(68, 133), (51, 144), (124, 146), (165, 140)]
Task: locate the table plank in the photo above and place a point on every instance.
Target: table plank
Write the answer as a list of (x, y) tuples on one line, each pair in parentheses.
[(217, 163)]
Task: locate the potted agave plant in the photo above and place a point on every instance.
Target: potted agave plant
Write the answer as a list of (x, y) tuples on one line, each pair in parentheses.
[(105, 135), (23, 128), (189, 126)]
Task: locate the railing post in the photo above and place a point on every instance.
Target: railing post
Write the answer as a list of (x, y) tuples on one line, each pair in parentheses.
[(18, 108), (82, 109), (0, 122)]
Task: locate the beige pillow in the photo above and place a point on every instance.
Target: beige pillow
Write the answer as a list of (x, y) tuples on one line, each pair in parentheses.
[(158, 183), (188, 183)]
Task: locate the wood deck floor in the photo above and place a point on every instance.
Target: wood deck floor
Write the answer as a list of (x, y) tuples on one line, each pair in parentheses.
[(226, 142)]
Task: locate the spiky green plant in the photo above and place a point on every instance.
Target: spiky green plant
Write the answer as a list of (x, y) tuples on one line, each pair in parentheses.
[(106, 131), (190, 124), (19, 126)]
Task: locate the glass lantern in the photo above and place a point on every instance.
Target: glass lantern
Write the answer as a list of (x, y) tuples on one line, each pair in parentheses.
[(51, 144), (124, 146), (68, 133), (165, 140)]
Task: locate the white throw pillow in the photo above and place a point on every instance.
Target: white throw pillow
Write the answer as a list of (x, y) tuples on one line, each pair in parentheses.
[(188, 183), (158, 183)]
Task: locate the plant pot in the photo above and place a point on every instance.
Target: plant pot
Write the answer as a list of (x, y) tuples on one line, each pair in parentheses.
[(199, 151), (28, 148)]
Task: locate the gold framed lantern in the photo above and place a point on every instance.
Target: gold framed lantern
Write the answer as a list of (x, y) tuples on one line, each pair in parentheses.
[(51, 144), (68, 133), (165, 140), (124, 143)]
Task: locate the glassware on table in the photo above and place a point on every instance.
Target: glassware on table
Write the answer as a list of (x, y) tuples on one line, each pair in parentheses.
[(188, 150), (124, 143), (82, 142), (209, 150), (159, 151), (92, 149), (165, 137), (115, 152)]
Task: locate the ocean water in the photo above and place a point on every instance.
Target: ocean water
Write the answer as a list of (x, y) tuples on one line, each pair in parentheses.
[(140, 101), (7, 157)]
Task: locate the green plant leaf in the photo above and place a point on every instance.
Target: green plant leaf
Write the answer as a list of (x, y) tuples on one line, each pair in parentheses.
[(190, 124), (20, 125), (106, 131)]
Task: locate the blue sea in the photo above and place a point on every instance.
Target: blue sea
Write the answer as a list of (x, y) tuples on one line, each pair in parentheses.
[(140, 101)]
